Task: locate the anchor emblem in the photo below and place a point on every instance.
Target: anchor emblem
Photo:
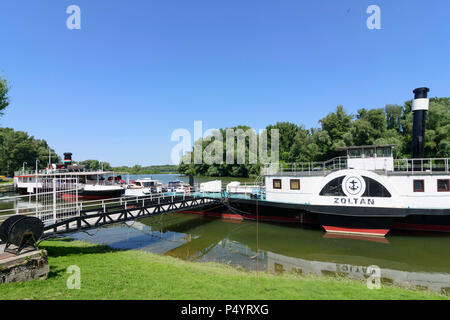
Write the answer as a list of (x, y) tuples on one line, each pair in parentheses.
[(353, 186)]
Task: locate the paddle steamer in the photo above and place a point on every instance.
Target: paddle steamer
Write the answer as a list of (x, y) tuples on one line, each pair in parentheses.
[(90, 185), (366, 191)]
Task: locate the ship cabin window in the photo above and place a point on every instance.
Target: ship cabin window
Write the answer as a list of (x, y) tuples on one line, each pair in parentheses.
[(355, 153), (369, 153), (149, 184), (419, 186), (333, 188), (375, 189), (277, 183), (383, 152), (443, 185), (295, 184)]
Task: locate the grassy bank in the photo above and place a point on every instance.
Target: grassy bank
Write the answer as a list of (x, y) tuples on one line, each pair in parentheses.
[(112, 274), (6, 180)]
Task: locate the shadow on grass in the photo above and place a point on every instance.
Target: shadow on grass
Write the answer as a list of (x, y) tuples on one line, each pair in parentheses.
[(55, 273), (60, 249)]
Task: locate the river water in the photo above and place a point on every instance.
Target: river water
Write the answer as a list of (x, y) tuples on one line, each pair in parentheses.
[(410, 259)]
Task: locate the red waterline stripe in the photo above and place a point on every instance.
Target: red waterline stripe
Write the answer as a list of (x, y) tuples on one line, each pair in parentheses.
[(421, 227), (372, 232), (71, 196), (216, 214)]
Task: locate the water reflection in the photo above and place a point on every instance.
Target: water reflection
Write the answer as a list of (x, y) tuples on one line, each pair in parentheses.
[(409, 260)]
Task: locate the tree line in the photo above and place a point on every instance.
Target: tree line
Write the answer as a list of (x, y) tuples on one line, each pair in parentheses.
[(391, 125), (19, 150), (136, 169)]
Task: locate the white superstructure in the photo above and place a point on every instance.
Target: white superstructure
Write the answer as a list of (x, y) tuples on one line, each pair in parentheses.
[(368, 176)]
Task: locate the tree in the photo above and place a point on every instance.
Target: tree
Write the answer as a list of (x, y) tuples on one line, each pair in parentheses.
[(4, 99), (287, 132), (18, 147), (337, 123), (393, 116)]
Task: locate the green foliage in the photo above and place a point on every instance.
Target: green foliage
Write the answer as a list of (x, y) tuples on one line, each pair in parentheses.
[(137, 169), (391, 125), (95, 165), (4, 100), (17, 147)]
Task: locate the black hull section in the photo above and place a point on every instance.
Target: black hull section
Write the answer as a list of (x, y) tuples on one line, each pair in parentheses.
[(22, 191), (94, 195), (103, 194), (433, 223), (344, 219), (271, 211)]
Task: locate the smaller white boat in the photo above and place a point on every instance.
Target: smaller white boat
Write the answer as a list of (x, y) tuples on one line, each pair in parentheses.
[(177, 186), (143, 187), (211, 186)]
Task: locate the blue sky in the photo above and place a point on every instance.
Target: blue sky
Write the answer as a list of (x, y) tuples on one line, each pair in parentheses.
[(137, 70)]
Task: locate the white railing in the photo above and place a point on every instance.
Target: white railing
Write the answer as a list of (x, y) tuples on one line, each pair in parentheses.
[(90, 204), (339, 163), (422, 165), (64, 172)]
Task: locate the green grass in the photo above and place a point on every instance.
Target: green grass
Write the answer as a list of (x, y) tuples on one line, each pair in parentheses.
[(111, 274)]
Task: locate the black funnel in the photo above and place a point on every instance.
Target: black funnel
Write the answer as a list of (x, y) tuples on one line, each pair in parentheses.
[(420, 108), (67, 159)]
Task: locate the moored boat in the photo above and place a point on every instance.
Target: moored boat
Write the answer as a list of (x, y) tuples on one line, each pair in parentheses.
[(366, 191), (143, 187), (62, 177)]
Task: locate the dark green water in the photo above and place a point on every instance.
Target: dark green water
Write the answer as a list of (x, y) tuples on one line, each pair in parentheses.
[(417, 260)]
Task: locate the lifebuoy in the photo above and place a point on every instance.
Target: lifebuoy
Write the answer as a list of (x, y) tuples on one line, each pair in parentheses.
[(187, 191)]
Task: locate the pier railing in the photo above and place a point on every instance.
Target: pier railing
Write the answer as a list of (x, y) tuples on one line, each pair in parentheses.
[(27, 205)]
